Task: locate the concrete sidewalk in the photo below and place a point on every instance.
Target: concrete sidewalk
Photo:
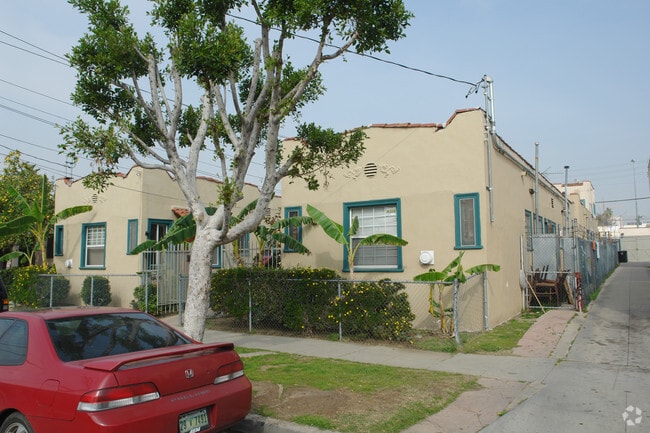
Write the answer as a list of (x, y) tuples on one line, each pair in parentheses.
[(506, 380)]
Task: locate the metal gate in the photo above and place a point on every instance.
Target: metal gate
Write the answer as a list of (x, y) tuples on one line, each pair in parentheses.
[(164, 270)]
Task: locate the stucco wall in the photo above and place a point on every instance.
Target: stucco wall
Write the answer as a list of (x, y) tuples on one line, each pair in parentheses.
[(138, 195)]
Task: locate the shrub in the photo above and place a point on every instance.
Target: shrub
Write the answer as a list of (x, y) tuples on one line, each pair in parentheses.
[(99, 288), (58, 285), (293, 299), (27, 289), (146, 300), (378, 309), (306, 300)]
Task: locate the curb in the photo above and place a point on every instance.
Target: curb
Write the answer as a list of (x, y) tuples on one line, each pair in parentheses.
[(259, 424)]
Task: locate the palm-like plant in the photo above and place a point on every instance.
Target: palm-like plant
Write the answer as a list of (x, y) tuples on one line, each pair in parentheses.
[(453, 271), (37, 219), (184, 230), (337, 232)]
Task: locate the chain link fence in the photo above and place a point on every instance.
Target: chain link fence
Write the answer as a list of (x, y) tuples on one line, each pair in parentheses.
[(351, 310), (577, 266), (338, 309)]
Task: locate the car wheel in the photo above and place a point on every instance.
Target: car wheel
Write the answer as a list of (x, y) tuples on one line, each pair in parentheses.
[(16, 423)]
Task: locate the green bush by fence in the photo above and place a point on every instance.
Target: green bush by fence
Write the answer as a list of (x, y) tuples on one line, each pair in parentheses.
[(27, 289), (313, 301), (96, 291), (146, 300)]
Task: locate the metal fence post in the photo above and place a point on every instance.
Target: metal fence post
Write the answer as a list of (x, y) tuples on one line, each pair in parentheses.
[(180, 302), (340, 315), (456, 334), (51, 291), (486, 315), (250, 308), (146, 292), (92, 290)]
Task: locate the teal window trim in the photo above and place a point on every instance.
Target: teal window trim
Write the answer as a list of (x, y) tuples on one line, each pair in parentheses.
[(346, 228), (244, 245), (58, 240), (458, 219), (161, 222), (84, 240), (290, 212), (131, 235), (215, 260)]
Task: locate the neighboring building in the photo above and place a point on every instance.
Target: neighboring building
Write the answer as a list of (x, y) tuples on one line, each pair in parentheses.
[(444, 189), (137, 206), (583, 197)]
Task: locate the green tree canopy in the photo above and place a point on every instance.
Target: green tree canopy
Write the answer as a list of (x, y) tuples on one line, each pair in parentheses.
[(26, 180), (36, 217), (135, 86)]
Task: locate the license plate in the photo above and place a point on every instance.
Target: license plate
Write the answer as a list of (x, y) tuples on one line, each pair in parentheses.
[(193, 422)]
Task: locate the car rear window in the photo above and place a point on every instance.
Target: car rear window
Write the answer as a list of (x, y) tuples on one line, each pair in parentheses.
[(87, 337), (13, 341)]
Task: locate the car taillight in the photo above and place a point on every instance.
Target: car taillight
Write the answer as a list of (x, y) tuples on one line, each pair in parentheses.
[(229, 372), (111, 398)]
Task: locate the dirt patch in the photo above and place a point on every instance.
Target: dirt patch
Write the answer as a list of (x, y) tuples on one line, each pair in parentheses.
[(344, 408), (302, 400)]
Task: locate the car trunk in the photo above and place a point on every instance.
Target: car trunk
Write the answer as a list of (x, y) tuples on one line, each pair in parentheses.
[(172, 369)]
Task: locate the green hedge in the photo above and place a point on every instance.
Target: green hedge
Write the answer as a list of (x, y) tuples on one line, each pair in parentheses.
[(27, 289), (99, 288), (306, 300), (146, 300), (377, 308)]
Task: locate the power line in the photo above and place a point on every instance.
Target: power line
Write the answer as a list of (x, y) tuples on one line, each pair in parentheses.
[(36, 54), (31, 116), (473, 89), (36, 46), (37, 93), (35, 109)]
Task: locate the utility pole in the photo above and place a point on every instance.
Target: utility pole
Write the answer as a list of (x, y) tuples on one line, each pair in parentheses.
[(566, 200), (490, 126), (636, 204)]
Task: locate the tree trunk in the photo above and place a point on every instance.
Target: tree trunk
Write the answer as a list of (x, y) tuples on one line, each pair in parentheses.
[(198, 290)]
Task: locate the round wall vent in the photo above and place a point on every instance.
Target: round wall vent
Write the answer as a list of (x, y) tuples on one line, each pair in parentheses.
[(370, 169)]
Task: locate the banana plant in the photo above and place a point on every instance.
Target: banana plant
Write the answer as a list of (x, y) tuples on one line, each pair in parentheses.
[(37, 219), (444, 278), (184, 230), (336, 231)]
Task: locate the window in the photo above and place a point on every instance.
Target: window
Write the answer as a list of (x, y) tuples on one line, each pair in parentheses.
[(215, 261), (93, 243), (243, 245), (13, 340), (88, 337), (528, 218), (58, 240), (131, 235), (468, 222), (374, 217), (157, 229), (293, 231)]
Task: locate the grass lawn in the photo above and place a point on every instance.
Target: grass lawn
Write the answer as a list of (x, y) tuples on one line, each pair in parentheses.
[(364, 398), (501, 339), (347, 396)]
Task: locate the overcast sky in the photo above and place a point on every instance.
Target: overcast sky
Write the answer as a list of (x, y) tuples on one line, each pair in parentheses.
[(572, 75)]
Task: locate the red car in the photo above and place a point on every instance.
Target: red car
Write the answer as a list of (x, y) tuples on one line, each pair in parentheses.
[(85, 370)]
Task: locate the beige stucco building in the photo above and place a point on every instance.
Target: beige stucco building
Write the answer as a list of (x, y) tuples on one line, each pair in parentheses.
[(444, 188), (137, 206)]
